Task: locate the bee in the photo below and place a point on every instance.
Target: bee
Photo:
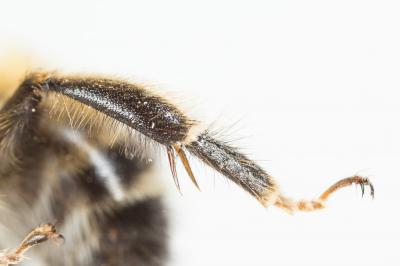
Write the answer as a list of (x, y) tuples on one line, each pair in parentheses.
[(80, 150)]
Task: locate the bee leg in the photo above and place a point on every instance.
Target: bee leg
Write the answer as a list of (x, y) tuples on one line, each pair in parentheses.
[(163, 122), (129, 103), (230, 162), (291, 205), (252, 178), (35, 237)]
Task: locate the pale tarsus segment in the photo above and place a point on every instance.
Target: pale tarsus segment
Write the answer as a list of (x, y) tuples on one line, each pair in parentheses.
[(291, 205)]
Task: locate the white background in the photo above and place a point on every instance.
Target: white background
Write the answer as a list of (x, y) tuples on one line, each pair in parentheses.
[(313, 84)]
